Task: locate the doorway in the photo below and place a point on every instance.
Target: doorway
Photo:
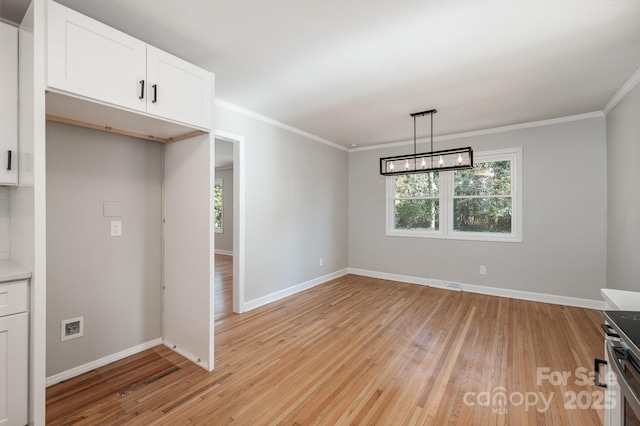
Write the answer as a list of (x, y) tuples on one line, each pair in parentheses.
[(229, 273)]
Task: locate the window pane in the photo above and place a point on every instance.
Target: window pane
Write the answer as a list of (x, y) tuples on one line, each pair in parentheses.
[(482, 215), (217, 204), (417, 214), (417, 185), (493, 178)]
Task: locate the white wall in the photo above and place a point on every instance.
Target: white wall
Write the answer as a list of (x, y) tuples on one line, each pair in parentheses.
[(114, 282), (564, 218), (224, 239), (296, 205), (623, 193)]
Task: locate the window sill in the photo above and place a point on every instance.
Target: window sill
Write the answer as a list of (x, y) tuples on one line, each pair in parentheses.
[(218, 230), (465, 236)]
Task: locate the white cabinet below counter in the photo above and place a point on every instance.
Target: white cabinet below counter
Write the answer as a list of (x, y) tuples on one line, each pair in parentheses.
[(14, 352), (91, 60)]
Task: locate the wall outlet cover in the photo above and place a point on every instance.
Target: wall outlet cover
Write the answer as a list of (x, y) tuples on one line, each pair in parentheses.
[(116, 228), (71, 328)]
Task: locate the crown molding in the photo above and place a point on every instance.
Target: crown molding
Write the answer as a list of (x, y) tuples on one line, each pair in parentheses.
[(247, 113), (542, 123), (550, 122), (624, 90)]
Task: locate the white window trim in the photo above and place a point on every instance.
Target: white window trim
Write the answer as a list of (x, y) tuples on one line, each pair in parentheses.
[(446, 203), (219, 230)]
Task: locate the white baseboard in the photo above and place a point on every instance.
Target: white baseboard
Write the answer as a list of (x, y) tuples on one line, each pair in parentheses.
[(536, 297), (66, 375), (391, 277), (225, 252), (491, 291), (281, 294)]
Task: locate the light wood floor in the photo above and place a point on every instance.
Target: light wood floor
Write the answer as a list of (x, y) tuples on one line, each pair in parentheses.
[(223, 296), (358, 351)]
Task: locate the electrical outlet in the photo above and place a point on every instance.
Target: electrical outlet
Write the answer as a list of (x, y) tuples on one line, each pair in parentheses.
[(483, 270), (72, 328), (116, 228), (321, 262)]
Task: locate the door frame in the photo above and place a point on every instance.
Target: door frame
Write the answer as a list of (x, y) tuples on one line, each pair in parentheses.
[(238, 216)]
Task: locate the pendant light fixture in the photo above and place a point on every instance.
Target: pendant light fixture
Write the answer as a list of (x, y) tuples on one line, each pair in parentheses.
[(433, 161)]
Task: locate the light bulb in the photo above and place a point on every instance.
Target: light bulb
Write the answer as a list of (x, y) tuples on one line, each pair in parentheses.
[(459, 158), (440, 161), (406, 165), (391, 167), (424, 164)]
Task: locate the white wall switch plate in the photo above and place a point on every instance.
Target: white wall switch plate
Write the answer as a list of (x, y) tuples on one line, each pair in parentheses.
[(116, 228), (483, 270)]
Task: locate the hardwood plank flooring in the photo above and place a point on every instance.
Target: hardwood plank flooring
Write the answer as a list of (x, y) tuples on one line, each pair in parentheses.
[(363, 351), (223, 288)]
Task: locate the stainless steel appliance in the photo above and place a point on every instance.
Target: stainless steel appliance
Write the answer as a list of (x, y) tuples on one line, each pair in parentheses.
[(622, 378)]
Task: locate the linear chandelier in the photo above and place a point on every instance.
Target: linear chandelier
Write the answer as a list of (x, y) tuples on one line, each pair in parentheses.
[(433, 161)]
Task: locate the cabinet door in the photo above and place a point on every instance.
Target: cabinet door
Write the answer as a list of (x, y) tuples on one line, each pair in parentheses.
[(13, 369), (178, 90), (8, 104), (91, 59)]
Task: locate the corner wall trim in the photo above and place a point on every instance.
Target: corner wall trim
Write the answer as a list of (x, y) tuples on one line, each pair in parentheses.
[(281, 294), (81, 369), (247, 113), (490, 291), (624, 91)]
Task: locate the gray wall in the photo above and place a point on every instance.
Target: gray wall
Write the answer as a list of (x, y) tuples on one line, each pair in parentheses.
[(224, 239), (296, 205), (5, 222), (114, 282), (564, 218), (623, 193)]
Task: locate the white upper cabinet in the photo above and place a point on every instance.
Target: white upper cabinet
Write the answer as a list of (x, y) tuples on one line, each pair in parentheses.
[(93, 60), (89, 59), (177, 89), (8, 105)]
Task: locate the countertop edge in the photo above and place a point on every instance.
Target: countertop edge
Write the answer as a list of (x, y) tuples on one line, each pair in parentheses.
[(12, 271), (621, 300)]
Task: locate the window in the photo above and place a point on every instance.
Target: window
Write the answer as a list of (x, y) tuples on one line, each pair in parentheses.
[(417, 202), (483, 203), (217, 205)]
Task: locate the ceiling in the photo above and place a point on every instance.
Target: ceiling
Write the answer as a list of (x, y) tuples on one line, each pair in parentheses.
[(351, 72)]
